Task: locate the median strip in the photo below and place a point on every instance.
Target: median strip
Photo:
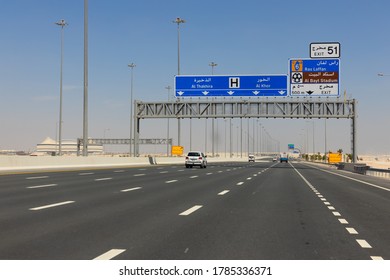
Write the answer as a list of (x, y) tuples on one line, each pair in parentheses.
[(51, 205)]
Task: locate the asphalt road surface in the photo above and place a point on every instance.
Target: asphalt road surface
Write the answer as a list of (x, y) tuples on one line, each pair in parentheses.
[(262, 210)]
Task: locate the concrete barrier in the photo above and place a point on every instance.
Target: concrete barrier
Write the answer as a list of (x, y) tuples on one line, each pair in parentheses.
[(29, 163)]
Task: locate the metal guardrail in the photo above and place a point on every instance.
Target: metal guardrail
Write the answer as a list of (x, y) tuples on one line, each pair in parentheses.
[(377, 172)]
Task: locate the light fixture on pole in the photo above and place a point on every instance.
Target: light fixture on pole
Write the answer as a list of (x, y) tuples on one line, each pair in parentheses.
[(131, 65), (61, 23), (178, 21)]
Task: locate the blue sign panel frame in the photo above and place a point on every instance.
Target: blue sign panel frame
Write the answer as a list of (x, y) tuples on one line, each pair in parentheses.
[(231, 86)]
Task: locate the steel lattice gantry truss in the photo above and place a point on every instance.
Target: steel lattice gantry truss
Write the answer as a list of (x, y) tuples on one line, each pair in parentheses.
[(286, 108), (251, 108)]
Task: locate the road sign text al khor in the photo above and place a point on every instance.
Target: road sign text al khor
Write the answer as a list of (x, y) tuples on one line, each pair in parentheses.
[(234, 85)]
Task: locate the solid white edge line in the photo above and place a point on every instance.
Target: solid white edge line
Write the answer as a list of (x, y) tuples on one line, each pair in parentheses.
[(110, 254), (42, 186), (132, 189), (353, 179), (224, 192), (376, 258), (363, 243), (51, 205), (191, 210)]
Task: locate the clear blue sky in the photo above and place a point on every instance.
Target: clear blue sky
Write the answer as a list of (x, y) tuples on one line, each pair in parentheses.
[(242, 37)]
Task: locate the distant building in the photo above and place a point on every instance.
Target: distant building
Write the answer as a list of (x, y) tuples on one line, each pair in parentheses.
[(68, 147)]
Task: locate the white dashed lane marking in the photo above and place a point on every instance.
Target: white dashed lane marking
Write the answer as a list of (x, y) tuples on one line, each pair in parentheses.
[(163, 172), (351, 230), (132, 189), (191, 210), (42, 186), (37, 177), (224, 192), (171, 181), (192, 177), (86, 173), (343, 221), (103, 179), (119, 171), (240, 183), (138, 175), (51, 205), (110, 254), (363, 243)]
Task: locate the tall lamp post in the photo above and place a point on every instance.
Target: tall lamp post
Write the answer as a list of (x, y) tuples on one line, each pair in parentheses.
[(212, 64), (131, 65), (168, 88), (85, 109), (61, 23), (178, 21)]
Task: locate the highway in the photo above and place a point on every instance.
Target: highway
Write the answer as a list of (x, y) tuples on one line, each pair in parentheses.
[(232, 210)]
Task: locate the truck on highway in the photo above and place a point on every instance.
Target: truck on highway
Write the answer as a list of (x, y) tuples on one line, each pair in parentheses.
[(283, 157)]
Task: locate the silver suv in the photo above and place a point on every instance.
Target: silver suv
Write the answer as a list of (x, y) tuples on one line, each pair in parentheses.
[(196, 158)]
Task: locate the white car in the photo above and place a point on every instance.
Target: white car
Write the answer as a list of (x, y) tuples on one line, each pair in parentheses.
[(251, 158), (196, 158)]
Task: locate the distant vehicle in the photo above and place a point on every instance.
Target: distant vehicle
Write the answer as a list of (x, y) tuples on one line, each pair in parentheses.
[(283, 157), (251, 158), (196, 158), (274, 159)]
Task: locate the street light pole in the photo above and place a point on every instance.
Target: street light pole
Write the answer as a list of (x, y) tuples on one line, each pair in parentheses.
[(212, 64), (178, 21), (131, 65), (169, 92), (61, 23), (85, 111)]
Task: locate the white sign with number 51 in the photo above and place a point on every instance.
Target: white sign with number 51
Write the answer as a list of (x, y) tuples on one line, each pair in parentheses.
[(324, 50)]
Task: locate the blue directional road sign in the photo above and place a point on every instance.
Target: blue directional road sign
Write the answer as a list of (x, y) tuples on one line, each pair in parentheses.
[(234, 85), (314, 77)]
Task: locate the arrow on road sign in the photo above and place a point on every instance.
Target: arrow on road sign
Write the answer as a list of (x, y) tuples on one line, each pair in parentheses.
[(230, 92), (309, 92), (205, 92), (256, 92), (180, 93), (281, 92)]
